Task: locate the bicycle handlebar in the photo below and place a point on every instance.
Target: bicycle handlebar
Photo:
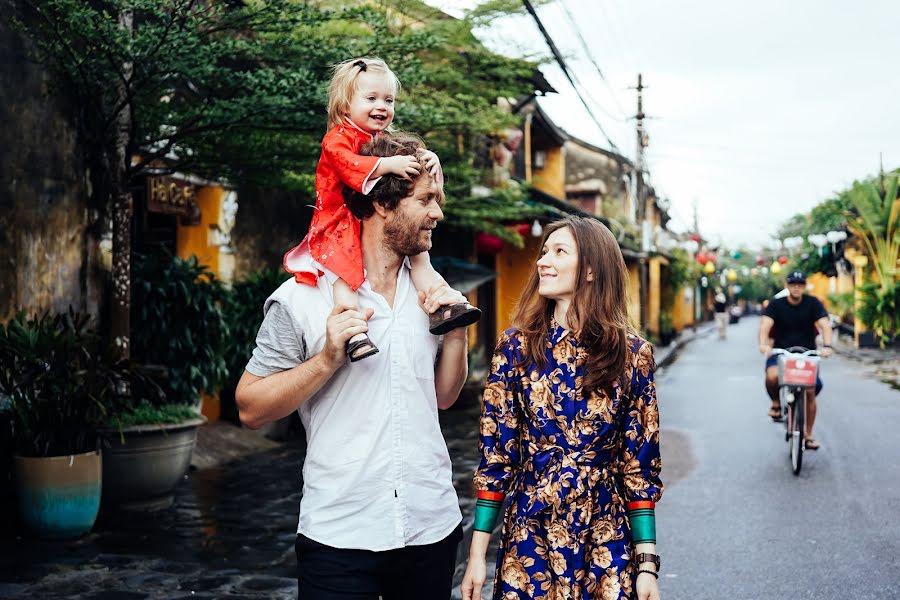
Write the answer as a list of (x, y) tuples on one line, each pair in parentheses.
[(795, 350)]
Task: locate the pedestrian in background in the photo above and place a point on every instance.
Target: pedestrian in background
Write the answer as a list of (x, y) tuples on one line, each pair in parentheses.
[(570, 434), (379, 516), (720, 304)]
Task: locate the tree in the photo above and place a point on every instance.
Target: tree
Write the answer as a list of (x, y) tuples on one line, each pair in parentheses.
[(235, 90), (877, 223)]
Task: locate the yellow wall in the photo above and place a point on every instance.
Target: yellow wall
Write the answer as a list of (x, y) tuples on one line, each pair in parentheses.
[(514, 267), (552, 178), (634, 295), (683, 309), (194, 239), (654, 265)]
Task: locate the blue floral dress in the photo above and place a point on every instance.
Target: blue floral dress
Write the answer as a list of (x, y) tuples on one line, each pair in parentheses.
[(567, 465)]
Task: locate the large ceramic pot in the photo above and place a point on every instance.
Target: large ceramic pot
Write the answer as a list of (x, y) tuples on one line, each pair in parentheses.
[(59, 496), (143, 464)]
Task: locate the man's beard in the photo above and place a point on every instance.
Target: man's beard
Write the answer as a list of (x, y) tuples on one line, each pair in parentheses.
[(403, 236)]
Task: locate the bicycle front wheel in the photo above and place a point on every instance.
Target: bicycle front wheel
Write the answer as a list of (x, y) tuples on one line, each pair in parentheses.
[(798, 422)]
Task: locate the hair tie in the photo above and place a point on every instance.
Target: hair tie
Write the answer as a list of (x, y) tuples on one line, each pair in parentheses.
[(361, 64)]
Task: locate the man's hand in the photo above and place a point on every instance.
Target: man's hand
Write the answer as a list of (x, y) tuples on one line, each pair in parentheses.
[(343, 324), (443, 295), (825, 351), (406, 167), (765, 349)]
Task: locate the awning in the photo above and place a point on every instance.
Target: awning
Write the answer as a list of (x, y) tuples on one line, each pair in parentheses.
[(460, 274)]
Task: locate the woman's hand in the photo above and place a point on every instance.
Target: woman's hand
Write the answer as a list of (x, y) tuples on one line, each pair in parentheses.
[(647, 587), (473, 580)]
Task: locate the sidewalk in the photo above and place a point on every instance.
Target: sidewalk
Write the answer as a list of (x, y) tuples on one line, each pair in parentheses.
[(883, 365), (230, 532), (666, 354)]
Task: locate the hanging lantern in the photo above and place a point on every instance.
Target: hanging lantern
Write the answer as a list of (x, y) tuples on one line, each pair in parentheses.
[(709, 267), (701, 258), (760, 260), (536, 229), (731, 275), (522, 229), (736, 254), (782, 260), (487, 243), (695, 238), (775, 269), (754, 272)]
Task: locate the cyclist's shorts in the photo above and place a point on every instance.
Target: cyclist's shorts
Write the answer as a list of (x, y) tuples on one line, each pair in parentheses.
[(772, 361)]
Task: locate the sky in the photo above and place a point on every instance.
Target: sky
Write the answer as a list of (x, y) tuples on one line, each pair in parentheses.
[(759, 110)]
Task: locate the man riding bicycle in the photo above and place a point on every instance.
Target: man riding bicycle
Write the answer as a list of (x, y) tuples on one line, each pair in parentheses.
[(792, 321)]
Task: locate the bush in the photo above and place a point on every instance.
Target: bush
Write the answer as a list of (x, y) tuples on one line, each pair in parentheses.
[(243, 311), (59, 381), (177, 324), (879, 309)]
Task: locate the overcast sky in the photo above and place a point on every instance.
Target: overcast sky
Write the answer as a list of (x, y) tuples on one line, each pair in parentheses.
[(760, 109)]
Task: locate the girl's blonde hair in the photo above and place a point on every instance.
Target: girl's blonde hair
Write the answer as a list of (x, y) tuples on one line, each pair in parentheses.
[(343, 84)]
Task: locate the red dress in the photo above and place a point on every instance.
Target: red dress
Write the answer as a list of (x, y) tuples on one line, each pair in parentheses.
[(333, 237)]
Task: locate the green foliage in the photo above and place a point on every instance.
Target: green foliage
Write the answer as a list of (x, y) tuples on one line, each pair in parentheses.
[(242, 309), (236, 90), (147, 413), (59, 382), (879, 309), (877, 224), (681, 269), (666, 324), (178, 325), (842, 304)]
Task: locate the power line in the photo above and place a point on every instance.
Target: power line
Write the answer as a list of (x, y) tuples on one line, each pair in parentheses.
[(562, 64), (590, 57)]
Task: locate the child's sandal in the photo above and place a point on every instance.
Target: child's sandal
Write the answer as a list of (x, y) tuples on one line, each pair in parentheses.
[(447, 318), (360, 349)]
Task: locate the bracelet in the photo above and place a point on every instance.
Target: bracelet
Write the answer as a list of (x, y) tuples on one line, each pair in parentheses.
[(642, 520), (654, 573), (488, 507)]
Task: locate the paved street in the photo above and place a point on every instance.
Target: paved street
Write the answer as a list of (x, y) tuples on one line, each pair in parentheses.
[(730, 523), (735, 522)]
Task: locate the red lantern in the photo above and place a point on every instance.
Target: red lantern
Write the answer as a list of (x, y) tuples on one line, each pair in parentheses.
[(487, 243), (702, 259), (782, 260), (760, 260), (523, 229), (696, 238)]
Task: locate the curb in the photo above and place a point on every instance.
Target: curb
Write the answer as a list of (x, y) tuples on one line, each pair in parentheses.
[(668, 353)]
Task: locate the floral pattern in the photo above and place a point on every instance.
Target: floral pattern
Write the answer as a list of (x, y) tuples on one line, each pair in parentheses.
[(568, 466)]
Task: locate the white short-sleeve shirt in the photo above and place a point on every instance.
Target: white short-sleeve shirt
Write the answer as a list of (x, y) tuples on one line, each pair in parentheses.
[(377, 474)]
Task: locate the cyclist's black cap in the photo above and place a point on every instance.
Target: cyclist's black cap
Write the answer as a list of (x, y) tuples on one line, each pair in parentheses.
[(796, 277)]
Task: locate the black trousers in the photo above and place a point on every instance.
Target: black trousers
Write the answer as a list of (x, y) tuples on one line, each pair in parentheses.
[(411, 573)]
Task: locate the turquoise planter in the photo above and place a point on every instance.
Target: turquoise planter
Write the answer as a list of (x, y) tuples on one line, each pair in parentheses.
[(59, 496)]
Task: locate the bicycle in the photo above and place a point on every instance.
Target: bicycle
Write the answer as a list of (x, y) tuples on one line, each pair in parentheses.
[(797, 372)]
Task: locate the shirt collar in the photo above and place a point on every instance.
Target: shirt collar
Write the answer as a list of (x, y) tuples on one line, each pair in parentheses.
[(558, 332)]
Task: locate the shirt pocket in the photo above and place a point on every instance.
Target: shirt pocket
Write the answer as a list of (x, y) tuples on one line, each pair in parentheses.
[(421, 354)]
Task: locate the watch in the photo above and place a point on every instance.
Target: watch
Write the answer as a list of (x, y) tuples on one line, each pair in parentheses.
[(647, 557)]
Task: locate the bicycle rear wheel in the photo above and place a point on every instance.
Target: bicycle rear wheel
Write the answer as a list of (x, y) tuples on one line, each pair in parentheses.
[(798, 422)]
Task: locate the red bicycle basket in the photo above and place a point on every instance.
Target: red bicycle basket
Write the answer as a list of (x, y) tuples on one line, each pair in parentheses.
[(797, 371)]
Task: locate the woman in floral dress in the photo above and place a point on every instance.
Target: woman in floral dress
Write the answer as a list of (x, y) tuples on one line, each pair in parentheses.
[(570, 435)]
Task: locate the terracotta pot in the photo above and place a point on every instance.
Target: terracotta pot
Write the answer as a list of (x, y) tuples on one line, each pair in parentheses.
[(59, 496)]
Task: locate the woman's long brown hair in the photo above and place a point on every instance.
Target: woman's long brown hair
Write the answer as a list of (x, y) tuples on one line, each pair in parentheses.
[(598, 314)]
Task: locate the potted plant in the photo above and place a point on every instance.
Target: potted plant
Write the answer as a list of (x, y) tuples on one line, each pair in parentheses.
[(666, 328), (180, 343), (58, 386)]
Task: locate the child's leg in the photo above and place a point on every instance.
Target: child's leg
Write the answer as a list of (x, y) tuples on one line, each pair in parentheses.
[(424, 276), (359, 346), (448, 317)]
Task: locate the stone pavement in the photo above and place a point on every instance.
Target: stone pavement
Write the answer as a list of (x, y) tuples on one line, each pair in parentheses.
[(230, 533)]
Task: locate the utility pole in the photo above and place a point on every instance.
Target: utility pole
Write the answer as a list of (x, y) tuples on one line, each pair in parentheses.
[(643, 274)]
